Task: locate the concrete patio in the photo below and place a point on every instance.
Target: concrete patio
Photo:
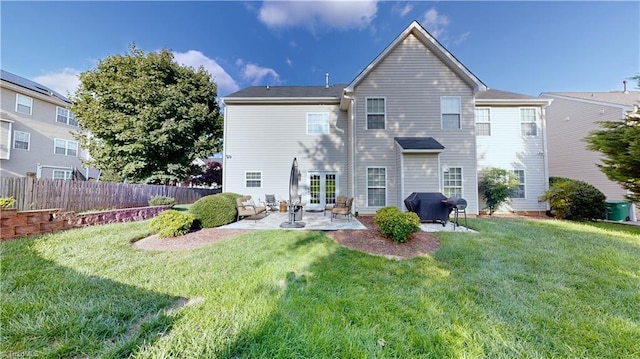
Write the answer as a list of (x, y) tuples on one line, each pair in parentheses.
[(320, 222)]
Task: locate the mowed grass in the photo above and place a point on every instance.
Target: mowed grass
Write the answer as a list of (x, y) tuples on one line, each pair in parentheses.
[(523, 289)]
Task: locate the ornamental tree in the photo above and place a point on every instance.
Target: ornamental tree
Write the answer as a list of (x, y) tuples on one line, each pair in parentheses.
[(619, 142), (496, 185), (145, 118)]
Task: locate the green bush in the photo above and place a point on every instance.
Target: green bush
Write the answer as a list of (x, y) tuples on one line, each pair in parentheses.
[(215, 210), (172, 223), (396, 225), (575, 200), (7, 202), (162, 201), (495, 186)]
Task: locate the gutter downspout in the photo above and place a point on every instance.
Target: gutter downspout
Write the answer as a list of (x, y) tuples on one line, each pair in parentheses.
[(545, 156), (354, 187), (224, 148)]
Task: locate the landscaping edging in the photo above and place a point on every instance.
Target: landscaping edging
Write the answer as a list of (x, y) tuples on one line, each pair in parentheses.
[(14, 224)]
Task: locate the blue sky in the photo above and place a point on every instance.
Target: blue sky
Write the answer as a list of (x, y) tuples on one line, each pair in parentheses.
[(524, 47)]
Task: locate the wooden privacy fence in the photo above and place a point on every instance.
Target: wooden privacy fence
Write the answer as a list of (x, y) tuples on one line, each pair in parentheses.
[(33, 194)]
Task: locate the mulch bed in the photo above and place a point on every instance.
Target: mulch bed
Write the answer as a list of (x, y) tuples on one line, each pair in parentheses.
[(369, 241)]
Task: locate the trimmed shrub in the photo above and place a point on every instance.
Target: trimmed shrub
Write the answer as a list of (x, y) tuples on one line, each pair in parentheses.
[(172, 223), (575, 200), (396, 225), (215, 210), (7, 202), (162, 201)]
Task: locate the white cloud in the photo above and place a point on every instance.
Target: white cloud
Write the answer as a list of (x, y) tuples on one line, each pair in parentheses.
[(435, 23), (226, 84), (403, 10), (289, 62), (342, 15), (256, 74), (64, 82)]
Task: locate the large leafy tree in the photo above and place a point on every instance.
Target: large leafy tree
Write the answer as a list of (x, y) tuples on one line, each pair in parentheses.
[(146, 118), (619, 142)]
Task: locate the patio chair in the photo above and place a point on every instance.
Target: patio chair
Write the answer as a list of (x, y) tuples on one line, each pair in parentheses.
[(341, 201), (247, 208), (271, 203), (344, 210)]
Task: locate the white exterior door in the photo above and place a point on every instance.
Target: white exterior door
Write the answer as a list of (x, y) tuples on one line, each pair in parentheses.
[(322, 189)]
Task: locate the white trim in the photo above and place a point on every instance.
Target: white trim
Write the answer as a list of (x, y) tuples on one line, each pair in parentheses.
[(323, 187), (9, 137), (66, 147), (366, 109), (524, 174), (28, 140), (280, 100), (442, 113), (326, 124), (65, 173), (245, 179), (535, 121), (68, 117), (386, 187), (461, 180), (18, 95), (475, 113), (402, 192)]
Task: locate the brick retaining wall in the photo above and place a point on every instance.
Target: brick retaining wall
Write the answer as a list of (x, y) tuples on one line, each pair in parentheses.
[(15, 223)]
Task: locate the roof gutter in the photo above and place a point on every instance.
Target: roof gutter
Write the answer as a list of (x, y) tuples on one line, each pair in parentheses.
[(280, 100)]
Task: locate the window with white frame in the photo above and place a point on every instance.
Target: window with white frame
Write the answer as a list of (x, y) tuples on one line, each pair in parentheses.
[(21, 140), (450, 110), (62, 174), (376, 115), (65, 116), (318, 123), (520, 191), (376, 186), (483, 122), (24, 104), (253, 179), (452, 182), (65, 147), (528, 122)]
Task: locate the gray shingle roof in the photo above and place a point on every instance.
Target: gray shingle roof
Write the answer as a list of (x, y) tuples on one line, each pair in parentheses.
[(30, 85), (419, 143), (334, 91), (492, 94), (614, 97)]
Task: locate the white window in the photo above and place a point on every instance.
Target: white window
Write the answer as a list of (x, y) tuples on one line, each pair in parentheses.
[(21, 140), (65, 147), (450, 111), (62, 175), (520, 192), (65, 116), (376, 186), (528, 122), (376, 115), (452, 181), (483, 122), (24, 104), (318, 123), (253, 179)]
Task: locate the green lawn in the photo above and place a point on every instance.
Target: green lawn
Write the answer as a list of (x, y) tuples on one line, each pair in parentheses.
[(519, 289)]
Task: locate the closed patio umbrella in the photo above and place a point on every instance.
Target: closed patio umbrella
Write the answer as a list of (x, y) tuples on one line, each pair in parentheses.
[(294, 197)]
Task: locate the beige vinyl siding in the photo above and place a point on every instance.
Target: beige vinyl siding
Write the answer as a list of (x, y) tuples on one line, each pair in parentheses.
[(568, 122), (412, 80), (421, 173), (506, 148), (266, 138), (43, 129)]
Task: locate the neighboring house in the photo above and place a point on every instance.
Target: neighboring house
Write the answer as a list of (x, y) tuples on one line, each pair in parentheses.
[(35, 133), (406, 123), (570, 119), (511, 134)]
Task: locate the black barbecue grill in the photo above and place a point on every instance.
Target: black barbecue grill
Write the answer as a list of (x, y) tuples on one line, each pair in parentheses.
[(429, 206), (457, 205), (436, 207)]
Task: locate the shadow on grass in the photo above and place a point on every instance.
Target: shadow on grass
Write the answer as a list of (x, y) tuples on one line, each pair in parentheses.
[(52, 311)]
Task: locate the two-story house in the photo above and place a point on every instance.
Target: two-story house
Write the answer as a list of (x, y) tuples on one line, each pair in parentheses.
[(35, 132), (406, 123)]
